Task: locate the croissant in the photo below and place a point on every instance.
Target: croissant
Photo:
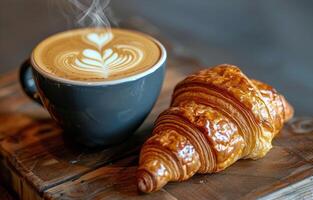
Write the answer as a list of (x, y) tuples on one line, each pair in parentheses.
[(216, 117)]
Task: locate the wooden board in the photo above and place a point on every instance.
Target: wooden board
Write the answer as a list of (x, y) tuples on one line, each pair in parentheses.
[(38, 162)]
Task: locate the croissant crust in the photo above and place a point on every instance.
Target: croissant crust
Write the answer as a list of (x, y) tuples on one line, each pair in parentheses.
[(216, 117)]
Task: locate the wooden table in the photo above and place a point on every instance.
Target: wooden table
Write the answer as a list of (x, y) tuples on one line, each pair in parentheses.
[(38, 162)]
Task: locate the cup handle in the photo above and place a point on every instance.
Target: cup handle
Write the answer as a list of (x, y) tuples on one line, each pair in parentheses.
[(27, 82)]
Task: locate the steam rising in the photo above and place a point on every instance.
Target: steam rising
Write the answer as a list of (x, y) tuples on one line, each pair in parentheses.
[(91, 13)]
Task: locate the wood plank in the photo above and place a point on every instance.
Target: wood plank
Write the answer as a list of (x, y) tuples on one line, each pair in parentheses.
[(300, 190), (44, 159), (115, 181), (246, 179), (299, 138)]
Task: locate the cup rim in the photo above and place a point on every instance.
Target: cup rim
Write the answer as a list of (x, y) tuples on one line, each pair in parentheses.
[(135, 77)]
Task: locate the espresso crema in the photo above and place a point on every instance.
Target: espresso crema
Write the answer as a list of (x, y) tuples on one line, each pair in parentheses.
[(96, 54)]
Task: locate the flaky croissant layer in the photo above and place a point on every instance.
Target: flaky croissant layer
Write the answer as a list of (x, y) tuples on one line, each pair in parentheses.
[(216, 117)]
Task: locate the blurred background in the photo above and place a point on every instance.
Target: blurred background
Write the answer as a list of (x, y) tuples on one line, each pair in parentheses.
[(270, 40)]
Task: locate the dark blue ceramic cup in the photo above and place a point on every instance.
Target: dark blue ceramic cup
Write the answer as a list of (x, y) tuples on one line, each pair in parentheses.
[(96, 113)]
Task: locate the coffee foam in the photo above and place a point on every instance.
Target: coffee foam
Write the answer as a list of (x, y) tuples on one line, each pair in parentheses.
[(94, 54)]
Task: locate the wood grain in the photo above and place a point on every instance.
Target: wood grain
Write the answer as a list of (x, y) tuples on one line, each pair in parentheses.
[(247, 179), (116, 181), (244, 179)]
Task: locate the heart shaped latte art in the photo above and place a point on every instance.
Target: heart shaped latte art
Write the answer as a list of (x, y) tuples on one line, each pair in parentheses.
[(111, 60), (98, 54), (99, 39), (102, 60)]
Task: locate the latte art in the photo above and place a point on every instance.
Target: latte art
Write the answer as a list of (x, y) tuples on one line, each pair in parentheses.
[(111, 60), (99, 39), (94, 54)]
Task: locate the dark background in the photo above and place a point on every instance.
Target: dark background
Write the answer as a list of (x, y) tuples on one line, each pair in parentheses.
[(270, 40)]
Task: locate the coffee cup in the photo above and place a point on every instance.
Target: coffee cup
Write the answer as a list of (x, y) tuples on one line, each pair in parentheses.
[(96, 103)]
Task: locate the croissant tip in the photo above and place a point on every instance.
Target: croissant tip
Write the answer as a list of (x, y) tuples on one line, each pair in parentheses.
[(144, 181)]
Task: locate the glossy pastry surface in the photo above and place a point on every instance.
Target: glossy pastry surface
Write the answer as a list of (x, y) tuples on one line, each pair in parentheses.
[(216, 117)]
